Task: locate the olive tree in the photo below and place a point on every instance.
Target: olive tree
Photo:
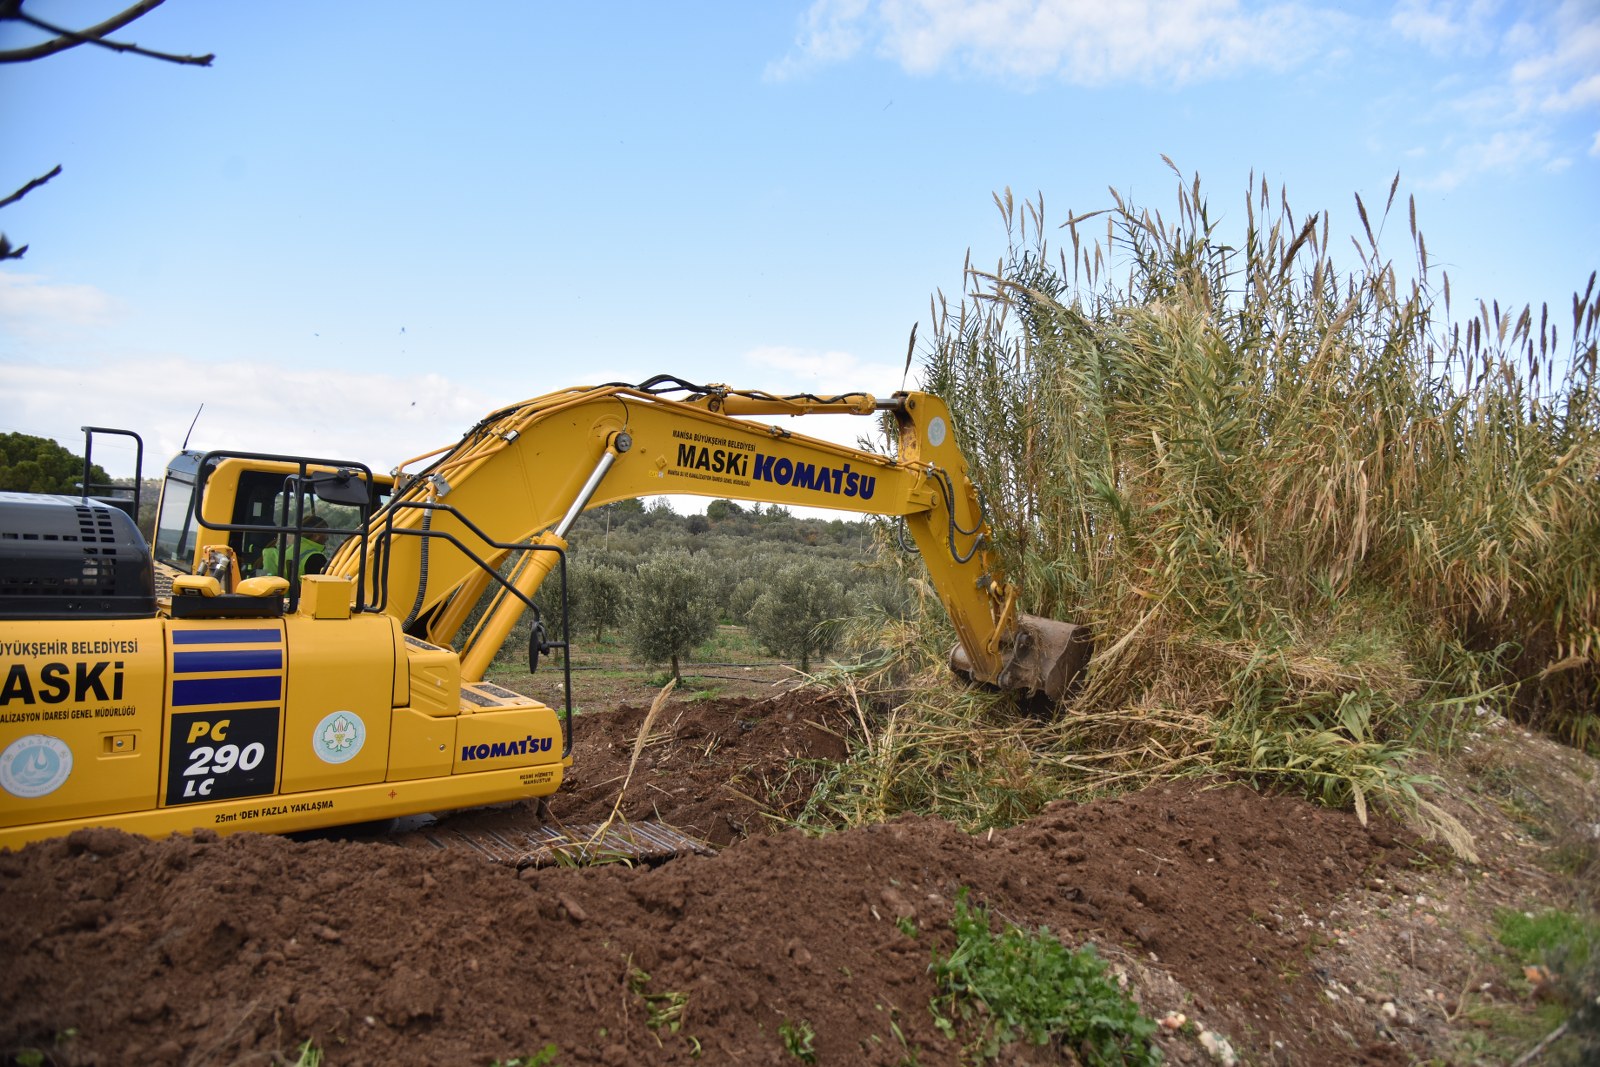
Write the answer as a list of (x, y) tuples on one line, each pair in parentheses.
[(672, 607), (793, 616), (742, 598), (598, 596)]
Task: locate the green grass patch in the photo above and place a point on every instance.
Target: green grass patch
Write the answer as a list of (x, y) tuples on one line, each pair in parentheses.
[(1540, 933), (1561, 940), (1554, 956), (1017, 986), (731, 644)]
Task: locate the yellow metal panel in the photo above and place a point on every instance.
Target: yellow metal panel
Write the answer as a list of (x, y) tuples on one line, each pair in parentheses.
[(493, 740), (420, 745), (68, 691), (400, 688), (337, 715), (308, 811), (324, 596), (435, 675)]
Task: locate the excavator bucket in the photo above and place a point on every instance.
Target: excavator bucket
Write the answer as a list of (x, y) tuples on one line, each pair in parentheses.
[(1043, 657)]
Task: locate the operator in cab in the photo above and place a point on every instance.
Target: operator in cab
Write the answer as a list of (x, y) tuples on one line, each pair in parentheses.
[(309, 553)]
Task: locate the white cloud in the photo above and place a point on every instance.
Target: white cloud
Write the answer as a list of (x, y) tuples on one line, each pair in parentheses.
[(1526, 89), (1559, 51), (35, 309), (1083, 42), (1503, 151), (825, 372), (1448, 27), (1583, 94), (831, 32), (1522, 76), (372, 418)]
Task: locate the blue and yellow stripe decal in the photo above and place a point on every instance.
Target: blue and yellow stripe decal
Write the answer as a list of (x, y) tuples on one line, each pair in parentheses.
[(233, 666)]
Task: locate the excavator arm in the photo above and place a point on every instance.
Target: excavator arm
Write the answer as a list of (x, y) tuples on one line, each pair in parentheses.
[(525, 472)]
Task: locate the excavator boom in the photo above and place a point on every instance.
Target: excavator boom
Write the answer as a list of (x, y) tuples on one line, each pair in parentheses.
[(525, 472)]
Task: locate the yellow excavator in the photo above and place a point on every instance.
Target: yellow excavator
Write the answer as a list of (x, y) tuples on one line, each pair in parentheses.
[(170, 687)]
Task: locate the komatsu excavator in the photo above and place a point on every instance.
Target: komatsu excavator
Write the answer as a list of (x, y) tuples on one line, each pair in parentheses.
[(169, 687)]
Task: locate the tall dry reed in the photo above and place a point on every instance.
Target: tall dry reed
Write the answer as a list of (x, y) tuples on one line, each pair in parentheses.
[(1298, 501)]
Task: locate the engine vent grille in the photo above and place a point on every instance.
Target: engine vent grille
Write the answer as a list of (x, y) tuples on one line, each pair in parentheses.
[(60, 556)]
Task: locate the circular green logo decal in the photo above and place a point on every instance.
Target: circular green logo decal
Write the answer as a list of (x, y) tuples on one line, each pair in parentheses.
[(339, 737)]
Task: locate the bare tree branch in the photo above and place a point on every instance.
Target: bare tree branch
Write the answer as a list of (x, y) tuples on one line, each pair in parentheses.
[(30, 187), (95, 35), (11, 11), (6, 250)]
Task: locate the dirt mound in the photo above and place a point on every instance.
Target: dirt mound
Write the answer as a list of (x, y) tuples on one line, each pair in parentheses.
[(717, 769), (1211, 900), (205, 950)]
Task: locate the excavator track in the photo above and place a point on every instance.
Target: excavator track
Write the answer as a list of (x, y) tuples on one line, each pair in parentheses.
[(572, 846)]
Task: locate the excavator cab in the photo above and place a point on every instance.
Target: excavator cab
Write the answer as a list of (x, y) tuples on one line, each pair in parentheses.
[(230, 521), (256, 506)]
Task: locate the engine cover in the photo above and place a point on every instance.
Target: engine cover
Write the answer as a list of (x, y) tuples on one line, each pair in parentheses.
[(61, 556)]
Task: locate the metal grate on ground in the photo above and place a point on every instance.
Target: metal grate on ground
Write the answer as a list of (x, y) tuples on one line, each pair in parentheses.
[(590, 843)]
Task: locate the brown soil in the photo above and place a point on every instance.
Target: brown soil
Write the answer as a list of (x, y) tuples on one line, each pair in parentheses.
[(1285, 927)]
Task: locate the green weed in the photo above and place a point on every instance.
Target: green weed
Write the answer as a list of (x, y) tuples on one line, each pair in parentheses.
[(545, 1057), (1019, 986), (663, 1011), (37, 1057), (799, 1040)]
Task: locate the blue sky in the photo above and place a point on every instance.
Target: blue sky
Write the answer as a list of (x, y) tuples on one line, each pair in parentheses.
[(368, 224)]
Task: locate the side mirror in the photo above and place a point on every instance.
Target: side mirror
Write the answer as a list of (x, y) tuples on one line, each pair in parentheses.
[(342, 487), (538, 644)]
